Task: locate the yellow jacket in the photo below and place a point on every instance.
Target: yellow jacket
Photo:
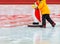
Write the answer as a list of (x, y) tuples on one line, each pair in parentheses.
[(43, 7)]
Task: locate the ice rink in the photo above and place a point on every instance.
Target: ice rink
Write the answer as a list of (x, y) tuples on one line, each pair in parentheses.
[(28, 35), (25, 35)]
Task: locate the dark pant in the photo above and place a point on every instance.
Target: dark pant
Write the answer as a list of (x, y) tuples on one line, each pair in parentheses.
[(46, 17)]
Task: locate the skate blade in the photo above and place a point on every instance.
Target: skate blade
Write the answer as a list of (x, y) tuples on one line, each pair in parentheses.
[(33, 25)]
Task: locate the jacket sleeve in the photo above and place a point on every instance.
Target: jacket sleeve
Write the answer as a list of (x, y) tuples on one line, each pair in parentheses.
[(41, 4)]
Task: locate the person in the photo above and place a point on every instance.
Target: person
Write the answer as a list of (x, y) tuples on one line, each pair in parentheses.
[(36, 13), (45, 12)]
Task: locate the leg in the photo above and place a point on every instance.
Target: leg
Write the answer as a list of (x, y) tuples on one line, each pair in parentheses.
[(43, 21), (50, 20)]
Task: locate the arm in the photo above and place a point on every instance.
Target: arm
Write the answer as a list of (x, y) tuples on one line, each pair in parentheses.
[(41, 4)]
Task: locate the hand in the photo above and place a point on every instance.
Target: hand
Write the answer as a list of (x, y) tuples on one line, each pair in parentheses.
[(36, 8)]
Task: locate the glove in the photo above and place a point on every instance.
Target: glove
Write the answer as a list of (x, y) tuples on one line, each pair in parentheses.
[(34, 5)]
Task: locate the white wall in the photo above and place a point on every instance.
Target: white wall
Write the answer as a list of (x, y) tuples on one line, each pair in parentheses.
[(15, 9), (25, 9), (54, 8)]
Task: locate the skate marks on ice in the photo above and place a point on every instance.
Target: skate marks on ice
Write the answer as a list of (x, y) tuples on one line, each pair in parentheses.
[(51, 34), (9, 21), (6, 40), (55, 36), (25, 35)]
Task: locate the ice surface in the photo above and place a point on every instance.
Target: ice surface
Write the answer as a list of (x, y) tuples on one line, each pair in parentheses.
[(25, 35)]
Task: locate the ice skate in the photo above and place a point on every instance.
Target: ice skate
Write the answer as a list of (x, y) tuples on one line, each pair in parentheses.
[(53, 25), (34, 24), (42, 26)]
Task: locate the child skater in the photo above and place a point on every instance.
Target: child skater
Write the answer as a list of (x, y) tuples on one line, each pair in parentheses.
[(36, 13), (45, 12)]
